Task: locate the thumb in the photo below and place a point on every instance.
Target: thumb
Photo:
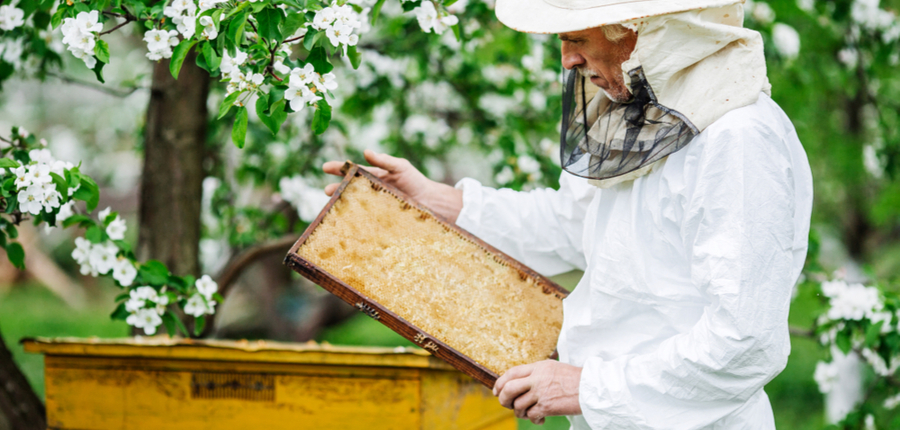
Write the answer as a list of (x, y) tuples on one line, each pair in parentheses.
[(384, 161)]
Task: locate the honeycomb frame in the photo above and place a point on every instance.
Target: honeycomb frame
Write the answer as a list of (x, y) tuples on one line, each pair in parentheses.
[(531, 293)]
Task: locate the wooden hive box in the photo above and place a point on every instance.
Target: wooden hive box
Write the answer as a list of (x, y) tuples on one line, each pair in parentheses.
[(159, 383), (429, 280)]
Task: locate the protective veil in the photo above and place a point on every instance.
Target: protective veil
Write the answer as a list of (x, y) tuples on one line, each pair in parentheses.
[(687, 70)]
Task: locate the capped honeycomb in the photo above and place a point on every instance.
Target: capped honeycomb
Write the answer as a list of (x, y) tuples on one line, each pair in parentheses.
[(435, 278)]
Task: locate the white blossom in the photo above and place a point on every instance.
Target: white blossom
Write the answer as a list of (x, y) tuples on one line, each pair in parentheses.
[(763, 13), (325, 82), (300, 96), (104, 214), (197, 306), (786, 39), (116, 229), (102, 257), (160, 43), (826, 376), (892, 401), (869, 15), (308, 200), (11, 17), (124, 272), (302, 76), (528, 164), (147, 319), (206, 286), (232, 64), (504, 176), (851, 302), (429, 18), (210, 31), (208, 4)]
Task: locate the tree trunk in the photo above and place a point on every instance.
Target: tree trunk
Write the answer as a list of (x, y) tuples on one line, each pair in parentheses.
[(20, 407), (171, 185)]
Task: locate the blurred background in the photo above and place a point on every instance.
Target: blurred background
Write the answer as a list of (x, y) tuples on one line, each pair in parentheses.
[(485, 106)]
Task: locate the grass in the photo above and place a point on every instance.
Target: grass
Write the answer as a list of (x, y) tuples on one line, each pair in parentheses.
[(30, 311)]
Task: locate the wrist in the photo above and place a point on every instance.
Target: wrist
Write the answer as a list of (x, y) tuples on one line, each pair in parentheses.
[(444, 200)]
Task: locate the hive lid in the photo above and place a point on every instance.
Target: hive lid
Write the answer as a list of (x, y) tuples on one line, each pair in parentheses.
[(429, 280), (164, 347)]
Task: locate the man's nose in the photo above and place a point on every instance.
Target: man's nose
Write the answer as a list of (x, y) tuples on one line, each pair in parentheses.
[(570, 57)]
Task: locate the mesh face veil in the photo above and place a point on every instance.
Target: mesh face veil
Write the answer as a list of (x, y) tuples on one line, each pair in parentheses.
[(601, 139)]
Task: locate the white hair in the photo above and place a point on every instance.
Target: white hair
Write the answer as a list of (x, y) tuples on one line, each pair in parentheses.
[(614, 32)]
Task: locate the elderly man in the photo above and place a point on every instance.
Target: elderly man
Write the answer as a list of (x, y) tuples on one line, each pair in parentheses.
[(686, 201)]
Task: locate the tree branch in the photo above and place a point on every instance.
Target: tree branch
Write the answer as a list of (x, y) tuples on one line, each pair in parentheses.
[(122, 93), (127, 20), (802, 332), (239, 263)]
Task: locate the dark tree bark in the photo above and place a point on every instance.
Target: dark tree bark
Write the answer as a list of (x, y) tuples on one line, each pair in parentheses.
[(171, 184), (20, 407)]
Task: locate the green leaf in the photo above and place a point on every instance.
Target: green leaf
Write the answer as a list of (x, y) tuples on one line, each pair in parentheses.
[(319, 59), (16, 254), (94, 234), (376, 10), (9, 163), (269, 19), (212, 59), (457, 31), (58, 16), (843, 341), (322, 117), (218, 297), (178, 55), (181, 325), (169, 321), (236, 28), (81, 7), (239, 130), (354, 56), (154, 273), (873, 335), (101, 51), (312, 36), (2, 239), (83, 220), (62, 186), (120, 313), (292, 23), (41, 20), (228, 103), (88, 192), (98, 71), (12, 231), (262, 103), (275, 117), (199, 325)]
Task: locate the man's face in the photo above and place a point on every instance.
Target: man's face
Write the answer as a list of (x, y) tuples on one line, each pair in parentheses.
[(598, 58)]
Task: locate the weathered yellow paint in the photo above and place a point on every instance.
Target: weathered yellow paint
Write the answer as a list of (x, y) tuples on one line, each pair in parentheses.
[(128, 384)]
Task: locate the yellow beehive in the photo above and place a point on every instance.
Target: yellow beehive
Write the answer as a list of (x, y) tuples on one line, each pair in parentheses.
[(159, 383)]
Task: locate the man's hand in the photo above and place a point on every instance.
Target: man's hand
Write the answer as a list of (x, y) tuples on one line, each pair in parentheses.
[(440, 198), (540, 390)]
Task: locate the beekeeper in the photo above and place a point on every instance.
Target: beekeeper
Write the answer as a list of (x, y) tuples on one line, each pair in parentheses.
[(686, 200)]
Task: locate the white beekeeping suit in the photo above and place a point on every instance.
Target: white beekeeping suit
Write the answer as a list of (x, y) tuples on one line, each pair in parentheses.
[(681, 316)]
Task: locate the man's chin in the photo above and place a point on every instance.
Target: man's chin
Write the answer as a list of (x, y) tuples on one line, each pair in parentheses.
[(620, 98)]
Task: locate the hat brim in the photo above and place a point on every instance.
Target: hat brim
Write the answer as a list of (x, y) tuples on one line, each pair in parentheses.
[(538, 16)]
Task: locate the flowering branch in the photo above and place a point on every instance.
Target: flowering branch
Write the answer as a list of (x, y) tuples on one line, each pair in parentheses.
[(128, 20)]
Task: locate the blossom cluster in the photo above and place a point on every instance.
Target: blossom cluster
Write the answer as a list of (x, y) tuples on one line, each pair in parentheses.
[(36, 190), (308, 200), (160, 43), (202, 303), (11, 17), (184, 16), (338, 22), (431, 19), (102, 258), (851, 305), (80, 35), (870, 16), (300, 93)]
